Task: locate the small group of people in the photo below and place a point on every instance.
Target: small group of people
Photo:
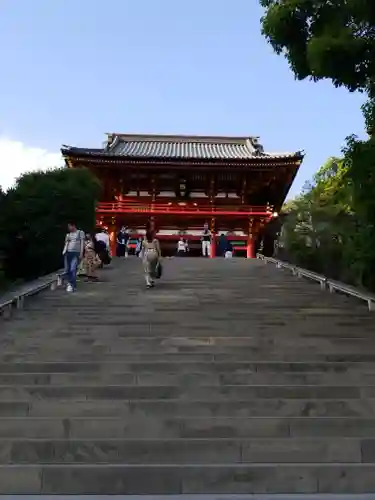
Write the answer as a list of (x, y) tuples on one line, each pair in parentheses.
[(93, 251), (85, 251), (122, 243), (224, 246)]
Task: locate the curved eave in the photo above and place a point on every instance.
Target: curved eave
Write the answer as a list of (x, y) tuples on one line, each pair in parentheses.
[(100, 157)]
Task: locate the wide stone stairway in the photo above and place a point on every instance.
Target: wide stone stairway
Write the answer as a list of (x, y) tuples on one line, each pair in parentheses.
[(231, 376)]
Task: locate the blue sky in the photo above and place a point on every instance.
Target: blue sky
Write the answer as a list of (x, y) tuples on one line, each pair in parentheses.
[(73, 70)]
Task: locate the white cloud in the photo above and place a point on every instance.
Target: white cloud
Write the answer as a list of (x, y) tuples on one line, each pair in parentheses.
[(16, 158)]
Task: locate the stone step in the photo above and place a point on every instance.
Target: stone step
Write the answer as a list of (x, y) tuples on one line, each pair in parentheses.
[(244, 377), (158, 366), (249, 322), (64, 340), (229, 377), (198, 309), (268, 350), (246, 329), (197, 496), (264, 355), (111, 479), (134, 424), (186, 451), (207, 392), (84, 340), (300, 334), (190, 408)]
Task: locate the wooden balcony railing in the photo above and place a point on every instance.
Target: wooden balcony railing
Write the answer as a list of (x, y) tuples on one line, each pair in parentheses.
[(181, 209)]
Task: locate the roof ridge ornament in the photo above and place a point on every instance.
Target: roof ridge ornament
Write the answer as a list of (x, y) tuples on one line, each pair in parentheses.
[(255, 147)]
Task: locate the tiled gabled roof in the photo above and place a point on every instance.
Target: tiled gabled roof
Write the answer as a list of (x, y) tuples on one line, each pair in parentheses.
[(179, 147)]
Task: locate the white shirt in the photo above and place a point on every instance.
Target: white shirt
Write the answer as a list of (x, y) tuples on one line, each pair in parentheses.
[(181, 246), (104, 237), (73, 241)]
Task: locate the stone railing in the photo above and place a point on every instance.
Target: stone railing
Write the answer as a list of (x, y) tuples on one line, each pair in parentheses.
[(325, 283), (15, 299)]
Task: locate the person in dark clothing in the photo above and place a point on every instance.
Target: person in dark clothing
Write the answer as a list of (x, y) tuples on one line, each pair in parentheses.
[(222, 246), (101, 244), (229, 250), (122, 242)]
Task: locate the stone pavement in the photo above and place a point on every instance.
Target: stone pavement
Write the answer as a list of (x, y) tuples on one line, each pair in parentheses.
[(229, 377)]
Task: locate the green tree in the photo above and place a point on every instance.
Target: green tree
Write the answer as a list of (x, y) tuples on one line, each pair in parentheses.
[(320, 229), (35, 215), (326, 39), (360, 158), (335, 40)]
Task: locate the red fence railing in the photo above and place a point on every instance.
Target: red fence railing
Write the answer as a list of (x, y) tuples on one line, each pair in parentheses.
[(181, 209)]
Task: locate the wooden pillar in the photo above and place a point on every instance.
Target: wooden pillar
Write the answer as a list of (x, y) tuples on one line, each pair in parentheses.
[(151, 225), (243, 189), (250, 254), (213, 238), (212, 190), (112, 231), (211, 195), (153, 188)]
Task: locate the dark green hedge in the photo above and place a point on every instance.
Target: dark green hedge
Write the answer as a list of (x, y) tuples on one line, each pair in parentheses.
[(34, 216)]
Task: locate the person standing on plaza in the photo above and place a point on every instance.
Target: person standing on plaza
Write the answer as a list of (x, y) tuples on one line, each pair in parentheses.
[(182, 247), (229, 250), (206, 241), (122, 242), (222, 247), (151, 258), (73, 254)]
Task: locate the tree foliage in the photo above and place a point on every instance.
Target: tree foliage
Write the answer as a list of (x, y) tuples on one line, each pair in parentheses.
[(34, 218), (332, 39), (324, 38), (315, 227), (330, 226)]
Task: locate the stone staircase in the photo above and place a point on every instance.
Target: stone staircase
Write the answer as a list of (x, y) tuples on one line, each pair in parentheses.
[(230, 377)]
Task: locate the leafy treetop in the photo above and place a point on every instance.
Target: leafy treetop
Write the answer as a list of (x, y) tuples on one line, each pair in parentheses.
[(324, 39)]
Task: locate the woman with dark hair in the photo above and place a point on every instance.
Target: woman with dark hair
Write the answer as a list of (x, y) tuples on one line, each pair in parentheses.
[(151, 257)]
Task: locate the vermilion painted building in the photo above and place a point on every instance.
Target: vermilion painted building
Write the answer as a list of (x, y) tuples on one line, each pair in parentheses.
[(181, 182)]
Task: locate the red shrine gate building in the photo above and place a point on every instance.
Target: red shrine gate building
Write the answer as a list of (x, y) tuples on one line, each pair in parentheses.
[(178, 183)]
